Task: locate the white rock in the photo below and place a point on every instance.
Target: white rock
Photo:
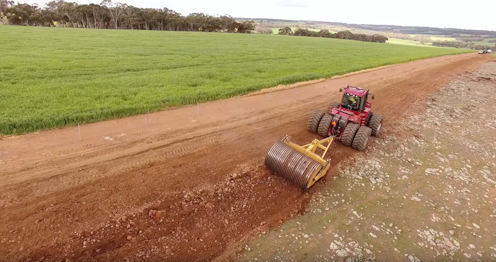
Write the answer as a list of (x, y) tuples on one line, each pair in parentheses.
[(414, 198), (431, 171), (342, 253), (413, 258)]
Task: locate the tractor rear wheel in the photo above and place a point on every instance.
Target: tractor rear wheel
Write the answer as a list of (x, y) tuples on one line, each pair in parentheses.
[(376, 124), (313, 122), (324, 125), (334, 105), (362, 138), (349, 133)]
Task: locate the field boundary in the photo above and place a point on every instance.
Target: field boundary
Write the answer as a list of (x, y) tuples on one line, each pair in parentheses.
[(305, 83), (91, 84), (255, 93), (310, 82)]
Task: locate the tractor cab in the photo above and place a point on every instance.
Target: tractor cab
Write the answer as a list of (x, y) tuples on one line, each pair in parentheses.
[(354, 98)]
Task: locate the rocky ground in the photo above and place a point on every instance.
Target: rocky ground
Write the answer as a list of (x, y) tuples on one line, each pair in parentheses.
[(425, 191)]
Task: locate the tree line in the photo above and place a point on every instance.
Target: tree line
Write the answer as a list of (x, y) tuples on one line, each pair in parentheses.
[(459, 44), (340, 35), (110, 15)]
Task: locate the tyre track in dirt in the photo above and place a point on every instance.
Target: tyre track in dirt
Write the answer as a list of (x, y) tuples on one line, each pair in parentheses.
[(156, 154), (186, 174)]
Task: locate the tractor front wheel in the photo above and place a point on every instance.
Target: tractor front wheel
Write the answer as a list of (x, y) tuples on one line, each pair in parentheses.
[(324, 125), (313, 122), (376, 124), (367, 122), (362, 138), (349, 133)]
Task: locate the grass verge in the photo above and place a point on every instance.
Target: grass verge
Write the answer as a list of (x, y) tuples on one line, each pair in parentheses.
[(53, 77)]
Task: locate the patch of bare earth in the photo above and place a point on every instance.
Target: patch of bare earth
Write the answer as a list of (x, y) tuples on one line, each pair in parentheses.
[(185, 185), (426, 191)]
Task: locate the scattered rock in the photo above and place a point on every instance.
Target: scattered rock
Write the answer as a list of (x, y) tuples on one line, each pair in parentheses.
[(152, 213), (413, 258), (414, 198), (431, 171), (342, 253)]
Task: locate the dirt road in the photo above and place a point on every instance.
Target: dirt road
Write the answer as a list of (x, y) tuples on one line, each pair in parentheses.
[(184, 187), (425, 192)]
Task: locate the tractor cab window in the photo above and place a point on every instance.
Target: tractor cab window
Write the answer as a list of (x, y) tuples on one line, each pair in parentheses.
[(351, 102)]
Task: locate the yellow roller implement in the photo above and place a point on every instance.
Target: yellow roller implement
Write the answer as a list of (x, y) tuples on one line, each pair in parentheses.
[(299, 164)]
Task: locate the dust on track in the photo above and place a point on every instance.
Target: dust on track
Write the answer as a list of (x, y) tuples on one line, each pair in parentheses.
[(184, 188)]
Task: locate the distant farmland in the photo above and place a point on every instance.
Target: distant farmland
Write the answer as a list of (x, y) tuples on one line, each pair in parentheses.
[(53, 77)]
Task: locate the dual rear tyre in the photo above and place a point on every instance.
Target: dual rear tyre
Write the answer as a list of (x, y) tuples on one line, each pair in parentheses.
[(320, 120), (314, 121), (349, 133), (361, 139), (324, 125), (354, 135)]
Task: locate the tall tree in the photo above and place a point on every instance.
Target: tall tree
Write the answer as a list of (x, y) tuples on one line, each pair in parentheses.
[(4, 5), (108, 15), (286, 31), (115, 10)]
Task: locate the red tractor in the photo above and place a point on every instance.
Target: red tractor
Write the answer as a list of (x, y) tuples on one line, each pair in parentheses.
[(350, 121)]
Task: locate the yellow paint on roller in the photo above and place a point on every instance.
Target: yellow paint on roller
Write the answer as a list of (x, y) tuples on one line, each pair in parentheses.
[(299, 164)]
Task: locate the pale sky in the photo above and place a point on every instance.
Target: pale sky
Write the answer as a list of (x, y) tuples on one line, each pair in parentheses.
[(475, 14)]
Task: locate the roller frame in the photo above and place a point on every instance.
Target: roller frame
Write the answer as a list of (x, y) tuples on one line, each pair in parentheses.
[(309, 151)]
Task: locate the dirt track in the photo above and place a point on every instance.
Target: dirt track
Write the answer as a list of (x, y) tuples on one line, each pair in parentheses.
[(184, 187)]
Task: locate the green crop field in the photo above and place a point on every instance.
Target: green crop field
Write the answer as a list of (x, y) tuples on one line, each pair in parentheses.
[(53, 77), (276, 30), (397, 41), (486, 42)]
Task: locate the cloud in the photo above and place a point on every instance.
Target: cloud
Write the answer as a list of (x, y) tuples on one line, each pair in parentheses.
[(293, 3)]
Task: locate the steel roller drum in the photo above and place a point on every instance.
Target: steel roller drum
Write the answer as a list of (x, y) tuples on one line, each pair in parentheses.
[(291, 164)]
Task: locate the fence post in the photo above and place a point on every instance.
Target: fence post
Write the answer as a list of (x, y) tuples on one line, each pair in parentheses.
[(79, 132), (197, 101)]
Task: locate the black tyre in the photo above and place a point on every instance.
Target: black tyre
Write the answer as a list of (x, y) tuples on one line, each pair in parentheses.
[(334, 105), (349, 133), (367, 122), (361, 139), (324, 125), (376, 124), (313, 122)]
